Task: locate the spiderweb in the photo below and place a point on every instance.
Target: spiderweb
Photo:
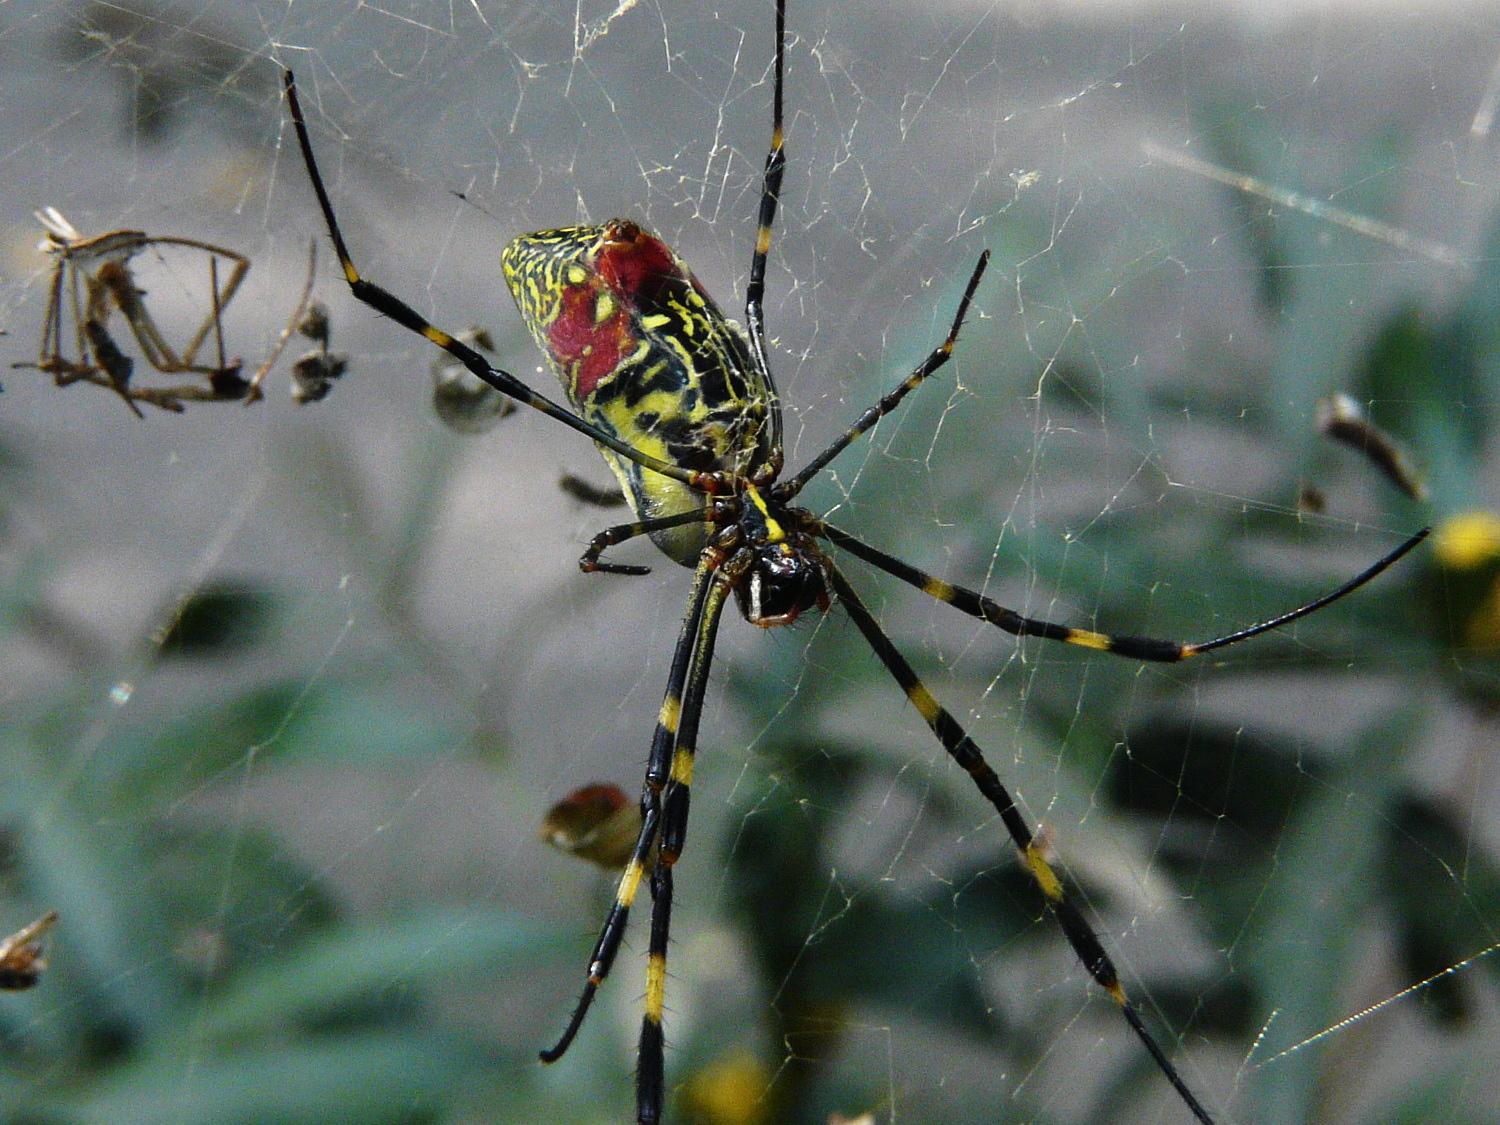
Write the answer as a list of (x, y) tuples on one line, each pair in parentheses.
[(288, 691)]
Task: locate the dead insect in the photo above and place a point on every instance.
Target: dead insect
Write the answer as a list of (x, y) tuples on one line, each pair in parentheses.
[(597, 823), (92, 279), (21, 960), (1344, 420), (463, 401), (315, 372)]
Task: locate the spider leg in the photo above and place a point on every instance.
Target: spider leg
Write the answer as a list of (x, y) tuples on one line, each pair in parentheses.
[(1136, 648), (650, 1072), (591, 494), (939, 356), (621, 532), (770, 195), (658, 767), (383, 301), (962, 749), (650, 1064), (218, 311), (96, 309), (114, 283), (49, 356)]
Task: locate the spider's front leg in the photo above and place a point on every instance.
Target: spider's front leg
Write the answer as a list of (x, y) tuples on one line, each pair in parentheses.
[(388, 304), (1155, 649)]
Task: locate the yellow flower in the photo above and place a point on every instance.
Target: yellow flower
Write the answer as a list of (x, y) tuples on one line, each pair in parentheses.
[(1467, 541), (730, 1091)]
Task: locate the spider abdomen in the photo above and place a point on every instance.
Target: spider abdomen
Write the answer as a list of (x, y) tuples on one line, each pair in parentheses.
[(645, 354)]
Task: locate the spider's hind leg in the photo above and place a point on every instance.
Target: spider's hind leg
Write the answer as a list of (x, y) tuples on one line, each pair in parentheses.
[(663, 812)]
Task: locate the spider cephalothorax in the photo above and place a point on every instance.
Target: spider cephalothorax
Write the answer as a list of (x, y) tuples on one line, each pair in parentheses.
[(771, 562), (682, 405)]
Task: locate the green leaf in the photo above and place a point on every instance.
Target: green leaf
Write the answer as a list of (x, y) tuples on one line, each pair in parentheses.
[(111, 979), (234, 895), (349, 965), (1411, 374), (361, 719), (370, 1078), (1447, 1097), (1299, 944), (1246, 143), (780, 879), (1444, 893)]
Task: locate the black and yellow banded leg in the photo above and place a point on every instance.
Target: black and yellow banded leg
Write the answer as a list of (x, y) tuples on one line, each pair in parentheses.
[(866, 421), (679, 781), (383, 301), (651, 1067), (608, 946), (590, 563), (1086, 945), (1135, 648), (770, 195), (650, 1059), (658, 768)]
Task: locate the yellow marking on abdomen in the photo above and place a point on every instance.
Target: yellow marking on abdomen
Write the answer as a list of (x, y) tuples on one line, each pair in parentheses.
[(682, 766), (437, 336)]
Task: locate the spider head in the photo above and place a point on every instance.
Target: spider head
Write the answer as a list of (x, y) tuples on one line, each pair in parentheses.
[(781, 581)]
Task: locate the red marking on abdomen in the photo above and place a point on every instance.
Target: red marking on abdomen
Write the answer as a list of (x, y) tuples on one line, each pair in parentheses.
[(636, 264), (596, 349)]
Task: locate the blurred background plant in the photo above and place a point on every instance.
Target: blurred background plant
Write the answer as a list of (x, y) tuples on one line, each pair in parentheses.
[(287, 697)]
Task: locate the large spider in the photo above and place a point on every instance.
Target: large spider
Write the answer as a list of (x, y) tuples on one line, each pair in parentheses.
[(683, 407)]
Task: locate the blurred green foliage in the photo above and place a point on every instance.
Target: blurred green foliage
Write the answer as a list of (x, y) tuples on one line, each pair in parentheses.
[(204, 972), (1287, 848)]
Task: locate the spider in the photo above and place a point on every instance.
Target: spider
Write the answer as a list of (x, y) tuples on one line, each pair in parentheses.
[(682, 405), (100, 267)]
